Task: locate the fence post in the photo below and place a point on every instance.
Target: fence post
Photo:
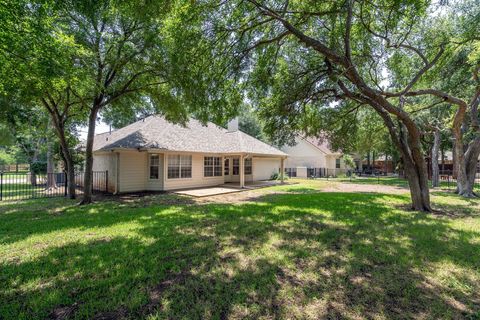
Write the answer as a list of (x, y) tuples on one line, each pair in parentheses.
[(1, 186), (65, 178), (106, 181)]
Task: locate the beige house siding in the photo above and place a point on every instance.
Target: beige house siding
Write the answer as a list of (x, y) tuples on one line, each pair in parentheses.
[(263, 168), (132, 171), (304, 154), (106, 162), (331, 162), (197, 179)]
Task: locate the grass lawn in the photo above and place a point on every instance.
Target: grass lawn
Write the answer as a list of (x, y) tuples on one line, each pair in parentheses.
[(398, 182), (291, 252)]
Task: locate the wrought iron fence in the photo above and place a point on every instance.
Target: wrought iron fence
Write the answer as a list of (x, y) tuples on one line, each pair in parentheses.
[(291, 172), (23, 186)]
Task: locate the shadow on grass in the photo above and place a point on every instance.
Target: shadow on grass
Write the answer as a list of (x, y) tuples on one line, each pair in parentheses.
[(331, 255)]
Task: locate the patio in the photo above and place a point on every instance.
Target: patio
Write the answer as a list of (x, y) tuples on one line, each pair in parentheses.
[(229, 187)]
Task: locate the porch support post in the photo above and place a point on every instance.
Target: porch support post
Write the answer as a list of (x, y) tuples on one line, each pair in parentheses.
[(242, 171), (282, 169)]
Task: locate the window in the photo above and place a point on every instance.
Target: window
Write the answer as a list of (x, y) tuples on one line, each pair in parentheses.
[(179, 166), (154, 166), (226, 167), (337, 163), (212, 167), (248, 166), (236, 166)]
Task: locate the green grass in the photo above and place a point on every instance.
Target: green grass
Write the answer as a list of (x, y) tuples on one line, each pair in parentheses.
[(297, 253), (396, 182), (20, 191)]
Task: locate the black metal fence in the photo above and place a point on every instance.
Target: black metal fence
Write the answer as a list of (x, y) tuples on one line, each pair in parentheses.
[(326, 172), (23, 186), (447, 178), (315, 172), (291, 172)]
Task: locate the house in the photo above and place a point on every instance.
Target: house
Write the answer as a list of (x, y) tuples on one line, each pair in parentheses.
[(309, 153), (155, 155)]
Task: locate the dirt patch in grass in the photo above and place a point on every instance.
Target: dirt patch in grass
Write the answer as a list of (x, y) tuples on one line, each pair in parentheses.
[(376, 188), (63, 312)]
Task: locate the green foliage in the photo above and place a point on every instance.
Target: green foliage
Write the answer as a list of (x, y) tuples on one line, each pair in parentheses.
[(38, 167), (6, 157), (348, 160), (278, 176)]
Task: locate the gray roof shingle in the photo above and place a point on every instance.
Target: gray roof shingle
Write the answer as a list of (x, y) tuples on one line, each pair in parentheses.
[(155, 132)]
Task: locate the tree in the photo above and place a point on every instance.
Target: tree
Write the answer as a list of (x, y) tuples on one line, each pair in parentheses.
[(87, 57), (39, 71), (303, 57), (250, 124)]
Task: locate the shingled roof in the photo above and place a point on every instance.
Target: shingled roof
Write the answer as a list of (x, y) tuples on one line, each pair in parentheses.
[(322, 145), (155, 132)]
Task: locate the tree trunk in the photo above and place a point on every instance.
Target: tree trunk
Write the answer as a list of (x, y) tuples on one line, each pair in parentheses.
[(59, 120), (471, 160), (68, 158), (435, 149), (87, 181), (33, 174), (443, 160), (51, 179), (373, 161), (409, 144)]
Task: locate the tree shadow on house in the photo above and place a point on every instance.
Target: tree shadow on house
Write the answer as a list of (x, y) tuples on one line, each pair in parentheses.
[(322, 255)]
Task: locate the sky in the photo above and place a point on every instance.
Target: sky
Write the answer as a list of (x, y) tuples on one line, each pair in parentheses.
[(100, 128)]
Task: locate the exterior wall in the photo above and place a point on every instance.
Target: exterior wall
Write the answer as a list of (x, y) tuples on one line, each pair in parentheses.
[(301, 172), (133, 168), (303, 154), (155, 184), (236, 178), (197, 179), (331, 162), (106, 162), (263, 168)]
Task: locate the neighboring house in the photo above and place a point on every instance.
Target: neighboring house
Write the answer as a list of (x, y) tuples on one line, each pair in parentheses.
[(154, 154), (312, 153)]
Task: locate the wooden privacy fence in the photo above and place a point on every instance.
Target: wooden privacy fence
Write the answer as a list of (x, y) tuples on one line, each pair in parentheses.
[(19, 167), (23, 186)]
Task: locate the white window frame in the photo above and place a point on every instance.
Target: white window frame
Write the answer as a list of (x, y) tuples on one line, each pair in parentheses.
[(150, 165), (226, 167), (338, 163), (213, 166), (250, 166), (180, 162), (233, 166)]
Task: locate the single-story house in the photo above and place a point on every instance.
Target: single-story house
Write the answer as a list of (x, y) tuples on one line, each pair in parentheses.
[(312, 153), (154, 154)]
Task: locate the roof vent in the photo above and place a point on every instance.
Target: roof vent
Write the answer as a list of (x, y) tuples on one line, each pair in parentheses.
[(233, 125)]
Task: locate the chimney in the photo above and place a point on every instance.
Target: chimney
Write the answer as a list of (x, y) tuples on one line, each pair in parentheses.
[(233, 125)]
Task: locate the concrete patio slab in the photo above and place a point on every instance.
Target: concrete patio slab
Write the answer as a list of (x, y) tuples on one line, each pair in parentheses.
[(229, 187), (210, 191)]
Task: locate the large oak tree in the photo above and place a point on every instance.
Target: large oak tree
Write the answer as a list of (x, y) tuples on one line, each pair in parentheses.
[(300, 58)]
